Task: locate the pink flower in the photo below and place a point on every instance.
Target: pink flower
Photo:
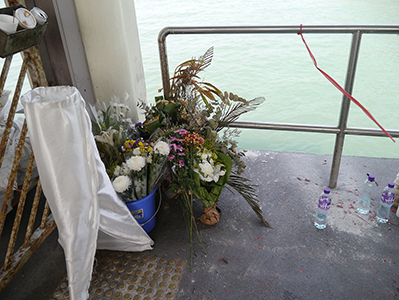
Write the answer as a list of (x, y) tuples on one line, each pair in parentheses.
[(181, 131), (173, 138), (181, 153), (170, 157), (175, 147), (181, 163)]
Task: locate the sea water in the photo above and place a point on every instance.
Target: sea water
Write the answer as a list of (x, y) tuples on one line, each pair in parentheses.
[(279, 68)]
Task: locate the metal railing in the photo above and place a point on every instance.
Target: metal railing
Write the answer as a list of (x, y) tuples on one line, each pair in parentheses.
[(341, 129)]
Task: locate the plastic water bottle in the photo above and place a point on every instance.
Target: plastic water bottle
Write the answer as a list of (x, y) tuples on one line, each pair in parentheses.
[(324, 205), (387, 197), (366, 194)]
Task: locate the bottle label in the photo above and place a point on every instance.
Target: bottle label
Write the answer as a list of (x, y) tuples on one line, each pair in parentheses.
[(324, 202), (387, 197)]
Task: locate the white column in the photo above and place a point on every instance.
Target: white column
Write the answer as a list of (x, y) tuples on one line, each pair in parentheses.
[(110, 38), (74, 51)]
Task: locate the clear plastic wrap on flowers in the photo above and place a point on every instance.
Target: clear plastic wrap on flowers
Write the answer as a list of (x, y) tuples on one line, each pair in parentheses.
[(138, 170), (156, 167)]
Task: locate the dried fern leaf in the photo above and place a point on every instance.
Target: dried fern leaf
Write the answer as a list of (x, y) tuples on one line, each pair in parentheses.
[(206, 59), (232, 112), (248, 192)]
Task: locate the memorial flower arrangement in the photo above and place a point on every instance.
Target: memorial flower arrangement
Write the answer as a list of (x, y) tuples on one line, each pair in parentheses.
[(134, 166), (188, 131), (195, 117)]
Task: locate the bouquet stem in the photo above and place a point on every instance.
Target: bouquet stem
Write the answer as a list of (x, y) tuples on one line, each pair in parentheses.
[(187, 203)]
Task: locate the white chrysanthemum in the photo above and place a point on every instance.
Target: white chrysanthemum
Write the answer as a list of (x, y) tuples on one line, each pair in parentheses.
[(121, 183), (149, 159), (136, 151), (136, 163), (117, 171), (162, 148)]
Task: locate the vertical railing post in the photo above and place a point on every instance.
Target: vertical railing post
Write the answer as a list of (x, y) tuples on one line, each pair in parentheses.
[(164, 62), (343, 118)]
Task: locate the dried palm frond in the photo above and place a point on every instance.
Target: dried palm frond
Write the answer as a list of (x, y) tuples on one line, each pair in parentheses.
[(232, 112), (248, 192), (186, 83)]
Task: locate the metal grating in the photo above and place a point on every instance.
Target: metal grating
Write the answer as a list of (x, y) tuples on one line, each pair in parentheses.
[(130, 276)]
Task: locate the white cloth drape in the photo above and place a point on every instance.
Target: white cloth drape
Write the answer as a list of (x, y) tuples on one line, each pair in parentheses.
[(86, 209)]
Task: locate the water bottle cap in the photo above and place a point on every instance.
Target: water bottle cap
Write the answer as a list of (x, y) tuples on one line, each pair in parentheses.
[(326, 190), (371, 178), (391, 185)]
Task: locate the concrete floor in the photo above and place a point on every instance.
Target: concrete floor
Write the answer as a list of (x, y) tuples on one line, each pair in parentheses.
[(353, 258)]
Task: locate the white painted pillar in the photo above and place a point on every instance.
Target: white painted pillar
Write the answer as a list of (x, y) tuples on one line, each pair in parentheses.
[(111, 42)]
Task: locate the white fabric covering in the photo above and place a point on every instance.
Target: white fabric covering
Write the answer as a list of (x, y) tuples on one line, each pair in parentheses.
[(75, 183)]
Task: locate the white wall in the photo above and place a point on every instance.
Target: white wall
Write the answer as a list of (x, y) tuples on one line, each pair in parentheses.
[(111, 42)]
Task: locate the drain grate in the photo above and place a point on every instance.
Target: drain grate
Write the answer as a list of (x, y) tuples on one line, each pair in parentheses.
[(130, 276)]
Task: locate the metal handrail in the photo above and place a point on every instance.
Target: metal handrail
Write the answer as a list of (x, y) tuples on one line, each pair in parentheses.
[(341, 130)]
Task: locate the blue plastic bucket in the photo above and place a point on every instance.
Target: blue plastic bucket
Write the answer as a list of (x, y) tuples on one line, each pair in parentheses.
[(143, 211)]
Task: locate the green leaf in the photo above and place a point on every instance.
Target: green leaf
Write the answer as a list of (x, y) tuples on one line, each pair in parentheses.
[(170, 108), (153, 125)]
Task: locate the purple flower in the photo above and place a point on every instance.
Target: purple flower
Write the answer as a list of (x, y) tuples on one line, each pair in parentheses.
[(138, 124), (175, 147), (181, 131), (173, 138)]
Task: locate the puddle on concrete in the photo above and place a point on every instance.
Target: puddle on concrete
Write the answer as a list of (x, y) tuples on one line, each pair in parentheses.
[(343, 215)]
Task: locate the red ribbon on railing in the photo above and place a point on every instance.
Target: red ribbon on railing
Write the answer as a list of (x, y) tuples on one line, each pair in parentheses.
[(329, 78)]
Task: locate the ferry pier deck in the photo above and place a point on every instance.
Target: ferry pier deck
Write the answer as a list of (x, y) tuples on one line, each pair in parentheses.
[(353, 258)]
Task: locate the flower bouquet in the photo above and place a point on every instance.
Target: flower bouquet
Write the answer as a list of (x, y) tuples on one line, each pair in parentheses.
[(203, 158), (211, 175), (134, 166), (188, 132)]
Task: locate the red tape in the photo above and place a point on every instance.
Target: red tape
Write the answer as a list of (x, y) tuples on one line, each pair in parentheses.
[(329, 78)]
